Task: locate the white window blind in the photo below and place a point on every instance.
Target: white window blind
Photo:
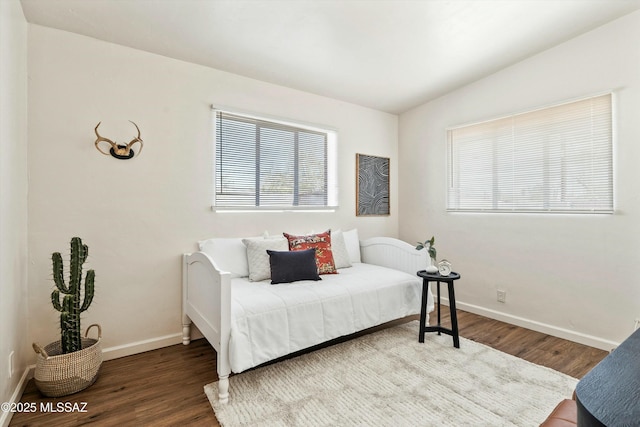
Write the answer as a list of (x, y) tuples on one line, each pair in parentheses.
[(269, 165), (555, 159)]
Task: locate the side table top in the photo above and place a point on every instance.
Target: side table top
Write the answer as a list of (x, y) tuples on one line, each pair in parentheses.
[(437, 276)]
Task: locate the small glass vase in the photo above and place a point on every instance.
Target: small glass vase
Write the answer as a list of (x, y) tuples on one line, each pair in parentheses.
[(432, 267)]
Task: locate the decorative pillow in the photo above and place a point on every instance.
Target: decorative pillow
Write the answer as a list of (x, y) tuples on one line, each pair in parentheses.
[(257, 256), (321, 243), (339, 249), (292, 266), (352, 241), (229, 254)]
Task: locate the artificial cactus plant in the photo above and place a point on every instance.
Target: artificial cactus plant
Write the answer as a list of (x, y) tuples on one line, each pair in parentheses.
[(71, 305)]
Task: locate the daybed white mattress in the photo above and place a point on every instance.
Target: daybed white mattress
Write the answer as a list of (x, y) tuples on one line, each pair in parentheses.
[(270, 321)]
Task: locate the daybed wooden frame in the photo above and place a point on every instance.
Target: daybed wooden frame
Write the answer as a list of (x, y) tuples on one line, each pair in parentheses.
[(206, 294)]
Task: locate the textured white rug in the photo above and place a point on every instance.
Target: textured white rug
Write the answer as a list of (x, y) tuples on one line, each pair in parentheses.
[(387, 378)]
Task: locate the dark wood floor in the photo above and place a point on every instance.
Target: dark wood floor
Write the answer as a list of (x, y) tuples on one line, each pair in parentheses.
[(165, 387)]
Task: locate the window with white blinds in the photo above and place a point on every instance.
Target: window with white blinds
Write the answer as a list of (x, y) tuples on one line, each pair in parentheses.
[(262, 164), (555, 159)]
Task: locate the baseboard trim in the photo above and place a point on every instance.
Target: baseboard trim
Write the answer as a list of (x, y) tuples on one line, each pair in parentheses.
[(129, 349), (5, 417), (590, 340)]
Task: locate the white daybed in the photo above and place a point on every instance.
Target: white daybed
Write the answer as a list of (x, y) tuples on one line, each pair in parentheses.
[(250, 323)]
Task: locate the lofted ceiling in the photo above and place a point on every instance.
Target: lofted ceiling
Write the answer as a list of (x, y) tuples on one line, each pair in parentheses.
[(390, 55)]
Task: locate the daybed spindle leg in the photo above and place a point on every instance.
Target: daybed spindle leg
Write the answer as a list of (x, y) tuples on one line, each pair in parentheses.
[(186, 331), (223, 389)]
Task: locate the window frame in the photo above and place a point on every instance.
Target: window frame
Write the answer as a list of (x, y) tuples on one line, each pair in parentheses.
[(453, 166), (330, 170)]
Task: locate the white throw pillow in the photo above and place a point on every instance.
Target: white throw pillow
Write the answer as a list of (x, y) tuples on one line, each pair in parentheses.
[(258, 258), (353, 244), (339, 248), (229, 254)]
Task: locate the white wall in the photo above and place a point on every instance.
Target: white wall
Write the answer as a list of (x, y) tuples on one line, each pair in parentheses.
[(575, 276), (138, 216), (13, 200)]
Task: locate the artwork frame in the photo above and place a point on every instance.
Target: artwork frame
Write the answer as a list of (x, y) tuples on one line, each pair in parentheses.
[(373, 185)]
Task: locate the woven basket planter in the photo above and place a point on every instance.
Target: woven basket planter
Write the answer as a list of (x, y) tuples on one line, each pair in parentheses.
[(60, 374)]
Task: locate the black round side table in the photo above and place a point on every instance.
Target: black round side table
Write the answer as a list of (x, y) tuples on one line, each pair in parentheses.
[(437, 277)]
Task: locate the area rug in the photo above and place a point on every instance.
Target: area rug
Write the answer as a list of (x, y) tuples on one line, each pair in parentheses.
[(387, 378)]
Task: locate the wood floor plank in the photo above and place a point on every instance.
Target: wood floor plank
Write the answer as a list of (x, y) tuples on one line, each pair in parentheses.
[(165, 387)]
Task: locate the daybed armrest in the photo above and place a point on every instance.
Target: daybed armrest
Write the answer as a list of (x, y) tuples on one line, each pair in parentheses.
[(393, 253), (206, 300)]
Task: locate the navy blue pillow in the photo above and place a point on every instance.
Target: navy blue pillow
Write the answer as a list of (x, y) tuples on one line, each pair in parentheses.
[(292, 266)]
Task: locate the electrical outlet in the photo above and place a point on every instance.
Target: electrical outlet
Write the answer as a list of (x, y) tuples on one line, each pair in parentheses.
[(10, 364), (502, 296)]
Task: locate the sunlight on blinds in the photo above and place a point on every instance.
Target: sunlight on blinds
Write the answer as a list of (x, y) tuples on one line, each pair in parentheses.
[(555, 159), (265, 164)]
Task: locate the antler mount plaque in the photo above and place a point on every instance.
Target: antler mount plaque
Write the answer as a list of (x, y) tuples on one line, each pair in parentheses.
[(119, 151)]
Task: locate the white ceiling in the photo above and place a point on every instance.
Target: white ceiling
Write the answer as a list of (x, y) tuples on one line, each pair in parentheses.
[(390, 55)]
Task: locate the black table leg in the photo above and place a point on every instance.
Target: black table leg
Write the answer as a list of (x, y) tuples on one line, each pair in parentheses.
[(423, 311), (439, 322), (454, 316)]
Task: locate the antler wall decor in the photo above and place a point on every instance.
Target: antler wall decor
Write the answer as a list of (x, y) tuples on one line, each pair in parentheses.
[(119, 151)]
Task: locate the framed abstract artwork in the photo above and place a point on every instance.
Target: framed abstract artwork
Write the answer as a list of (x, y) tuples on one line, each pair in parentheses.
[(372, 185)]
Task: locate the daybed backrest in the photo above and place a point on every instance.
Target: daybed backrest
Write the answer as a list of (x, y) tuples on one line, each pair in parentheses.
[(230, 254)]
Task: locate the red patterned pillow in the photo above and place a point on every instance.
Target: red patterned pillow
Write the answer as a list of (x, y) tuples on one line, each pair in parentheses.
[(321, 243)]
